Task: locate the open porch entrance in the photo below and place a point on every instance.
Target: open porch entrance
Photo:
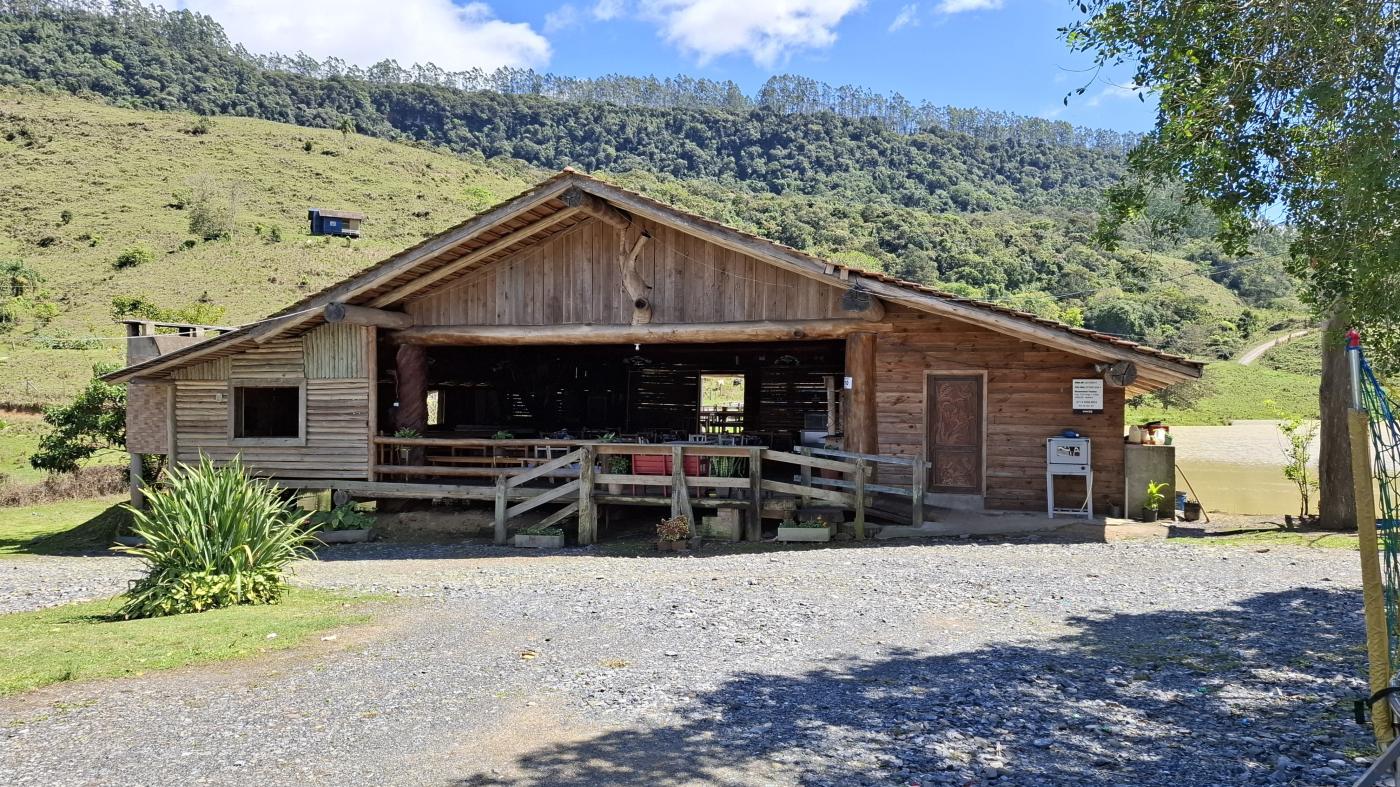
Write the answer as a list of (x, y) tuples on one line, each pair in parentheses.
[(778, 395), (750, 426)]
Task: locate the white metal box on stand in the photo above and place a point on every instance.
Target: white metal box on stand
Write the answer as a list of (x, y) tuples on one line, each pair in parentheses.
[(1069, 456)]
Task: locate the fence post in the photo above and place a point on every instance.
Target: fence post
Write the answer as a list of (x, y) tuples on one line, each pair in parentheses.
[(916, 486), (755, 523), (806, 474), (860, 499), (501, 508), (587, 513)]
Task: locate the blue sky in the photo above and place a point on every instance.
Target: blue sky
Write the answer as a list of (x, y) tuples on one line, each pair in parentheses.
[(996, 54)]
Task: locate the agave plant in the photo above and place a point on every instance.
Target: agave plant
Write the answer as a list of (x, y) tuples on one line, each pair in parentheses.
[(214, 537)]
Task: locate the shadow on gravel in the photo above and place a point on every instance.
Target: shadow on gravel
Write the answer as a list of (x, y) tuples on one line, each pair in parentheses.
[(1168, 698)]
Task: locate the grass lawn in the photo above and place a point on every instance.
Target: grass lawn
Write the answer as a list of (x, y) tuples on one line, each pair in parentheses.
[(1236, 393), (82, 642), (54, 528)]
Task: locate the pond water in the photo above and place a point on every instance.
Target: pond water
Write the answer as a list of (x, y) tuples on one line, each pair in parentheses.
[(1236, 468)]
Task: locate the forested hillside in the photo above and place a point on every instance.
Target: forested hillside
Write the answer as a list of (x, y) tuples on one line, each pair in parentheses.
[(980, 202)]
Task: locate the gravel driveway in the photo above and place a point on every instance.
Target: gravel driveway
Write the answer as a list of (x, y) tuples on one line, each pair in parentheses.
[(951, 663)]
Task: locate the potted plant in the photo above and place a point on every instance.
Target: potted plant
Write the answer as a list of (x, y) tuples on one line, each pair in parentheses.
[(1152, 503), (503, 435), (404, 451), (727, 467), (536, 537), (344, 524), (812, 530), (672, 533), (615, 464)]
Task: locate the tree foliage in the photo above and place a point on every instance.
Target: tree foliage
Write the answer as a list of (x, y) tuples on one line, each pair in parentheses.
[(95, 421), (1292, 104)]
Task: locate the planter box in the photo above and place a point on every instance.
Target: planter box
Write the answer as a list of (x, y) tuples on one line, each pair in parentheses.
[(817, 534), (672, 546), (529, 541), (343, 536)]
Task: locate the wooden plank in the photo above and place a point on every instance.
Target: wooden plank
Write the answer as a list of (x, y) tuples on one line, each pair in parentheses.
[(502, 513), (808, 461), (372, 398), (919, 476), (859, 498), (559, 516), (702, 481), (541, 471), (495, 247), (543, 497), (462, 472), (754, 526), (587, 512), (652, 333), (828, 495)]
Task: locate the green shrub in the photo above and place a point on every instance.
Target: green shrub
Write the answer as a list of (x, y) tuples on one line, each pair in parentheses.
[(342, 517), (215, 537), (136, 255)]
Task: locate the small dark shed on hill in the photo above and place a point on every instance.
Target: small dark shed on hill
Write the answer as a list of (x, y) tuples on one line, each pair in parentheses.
[(342, 223)]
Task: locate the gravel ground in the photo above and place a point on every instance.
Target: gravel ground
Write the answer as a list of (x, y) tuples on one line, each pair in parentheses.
[(950, 663), (33, 582)]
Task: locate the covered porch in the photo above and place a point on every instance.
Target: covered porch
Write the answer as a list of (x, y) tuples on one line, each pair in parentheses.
[(749, 419)]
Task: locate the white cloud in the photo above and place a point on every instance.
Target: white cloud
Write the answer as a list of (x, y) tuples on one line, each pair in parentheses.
[(366, 31), (1112, 92), (765, 30), (561, 18), (606, 10), (908, 17), (959, 6)]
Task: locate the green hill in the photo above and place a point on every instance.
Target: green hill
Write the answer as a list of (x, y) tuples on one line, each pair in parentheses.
[(85, 182)]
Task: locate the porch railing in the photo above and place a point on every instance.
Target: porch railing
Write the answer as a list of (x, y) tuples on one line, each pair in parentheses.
[(520, 475)]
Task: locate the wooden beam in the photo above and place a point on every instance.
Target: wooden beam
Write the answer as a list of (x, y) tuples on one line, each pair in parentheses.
[(596, 207), (496, 246), (637, 288), (861, 428), (587, 510), (361, 315), (695, 333), (754, 526)]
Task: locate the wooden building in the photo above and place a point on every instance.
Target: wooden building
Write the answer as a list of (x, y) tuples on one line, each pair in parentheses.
[(341, 223), (578, 314)]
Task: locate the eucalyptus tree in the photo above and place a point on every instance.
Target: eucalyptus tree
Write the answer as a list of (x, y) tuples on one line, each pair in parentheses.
[(1283, 109)]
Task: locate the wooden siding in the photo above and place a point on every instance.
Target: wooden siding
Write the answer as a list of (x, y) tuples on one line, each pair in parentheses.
[(335, 352), (1027, 400), (574, 277), (216, 369), (337, 408), (282, 359)]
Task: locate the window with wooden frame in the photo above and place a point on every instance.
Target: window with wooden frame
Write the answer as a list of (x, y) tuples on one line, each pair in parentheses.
[(269, 412)]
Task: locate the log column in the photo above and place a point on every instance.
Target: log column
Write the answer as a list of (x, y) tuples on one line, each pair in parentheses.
[(861, 432), (411, 363)]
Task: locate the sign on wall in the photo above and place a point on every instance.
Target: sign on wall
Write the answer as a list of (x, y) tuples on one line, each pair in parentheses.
[(1086, 396)]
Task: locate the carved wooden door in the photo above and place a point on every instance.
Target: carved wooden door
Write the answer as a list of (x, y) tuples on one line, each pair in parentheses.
[(954, 439)]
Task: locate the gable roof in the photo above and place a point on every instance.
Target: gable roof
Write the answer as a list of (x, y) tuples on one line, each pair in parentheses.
[(563, 200)]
